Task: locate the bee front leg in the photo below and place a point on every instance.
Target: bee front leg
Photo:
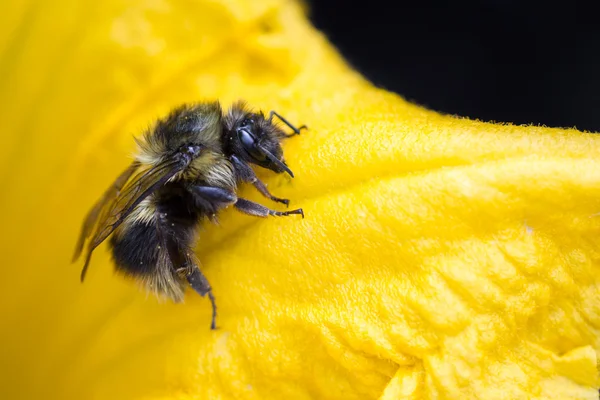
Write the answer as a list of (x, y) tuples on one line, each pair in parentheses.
[(246, 174), (258, 210)]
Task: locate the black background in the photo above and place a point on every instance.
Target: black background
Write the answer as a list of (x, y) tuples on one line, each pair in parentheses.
[(514, 61)]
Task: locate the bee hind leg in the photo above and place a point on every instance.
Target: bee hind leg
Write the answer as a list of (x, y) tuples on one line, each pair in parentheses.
[(182, 261), (209, 200), (258, 210), (214, 194), (200, 284)]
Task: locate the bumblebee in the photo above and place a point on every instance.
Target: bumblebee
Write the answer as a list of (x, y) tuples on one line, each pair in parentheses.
[(187, 168)]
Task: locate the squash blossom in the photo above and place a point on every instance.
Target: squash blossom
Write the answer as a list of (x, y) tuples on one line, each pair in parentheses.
[(440, 257)]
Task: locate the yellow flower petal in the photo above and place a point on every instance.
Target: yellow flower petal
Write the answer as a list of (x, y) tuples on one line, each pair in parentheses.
[(439, 258)]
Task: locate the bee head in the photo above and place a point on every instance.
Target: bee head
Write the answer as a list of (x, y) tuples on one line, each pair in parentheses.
[(254, 139)]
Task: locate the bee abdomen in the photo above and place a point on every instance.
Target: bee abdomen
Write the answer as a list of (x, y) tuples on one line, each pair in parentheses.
[(139, 253)]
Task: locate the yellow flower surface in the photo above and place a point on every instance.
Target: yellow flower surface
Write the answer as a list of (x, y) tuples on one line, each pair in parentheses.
[(440, 257)]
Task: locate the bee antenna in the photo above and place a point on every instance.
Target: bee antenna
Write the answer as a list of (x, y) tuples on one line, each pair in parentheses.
[(289, 124)]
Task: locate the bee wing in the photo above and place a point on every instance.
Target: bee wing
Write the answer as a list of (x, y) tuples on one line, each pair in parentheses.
[(113, 213), (108, 196)]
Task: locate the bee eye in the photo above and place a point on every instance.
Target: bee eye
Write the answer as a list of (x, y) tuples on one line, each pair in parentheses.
[(249, 143)]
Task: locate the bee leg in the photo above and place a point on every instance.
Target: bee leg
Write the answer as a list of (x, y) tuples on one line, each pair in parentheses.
[(246, 174), (262, 188), (258, 210), (200, 284), (209, 200), (184, 264), (214, 194), (285, 121)]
